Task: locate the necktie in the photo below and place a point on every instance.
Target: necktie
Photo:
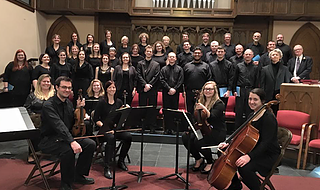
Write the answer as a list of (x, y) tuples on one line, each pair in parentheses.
[(298, 64)]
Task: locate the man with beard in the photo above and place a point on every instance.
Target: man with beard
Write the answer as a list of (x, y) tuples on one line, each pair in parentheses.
[(185, 37), (238, 57), (196, 73), (230, 48), (211, 55), (246, 77), (205, 46), (286, 50), (148, 83), (255, 46), (265, 59)]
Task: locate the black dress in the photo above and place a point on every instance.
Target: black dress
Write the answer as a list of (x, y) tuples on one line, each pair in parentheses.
[(95, 62), (101, 113), (38, 71), (82, 77), (21, 81), (104, 75), (114, 62), (160, 59), (135, 60), (53, 54), (70, 44), (58, 70), (72, 61)]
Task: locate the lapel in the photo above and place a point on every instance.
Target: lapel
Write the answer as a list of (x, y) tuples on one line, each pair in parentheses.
[(271, 71), (149, 68), (280, 72), (301, 68)]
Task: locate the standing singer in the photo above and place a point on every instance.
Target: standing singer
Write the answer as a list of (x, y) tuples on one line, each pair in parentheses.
[(213, 107)]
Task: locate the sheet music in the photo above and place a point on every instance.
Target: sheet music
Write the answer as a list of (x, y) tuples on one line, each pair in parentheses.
[(11, 120)]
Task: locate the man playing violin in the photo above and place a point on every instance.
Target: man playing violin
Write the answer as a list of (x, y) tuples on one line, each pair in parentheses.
[(57, 120), (265, 153), (212, 110)]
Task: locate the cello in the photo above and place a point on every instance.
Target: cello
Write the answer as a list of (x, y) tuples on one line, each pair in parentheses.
[(241, 142), (79, 127)]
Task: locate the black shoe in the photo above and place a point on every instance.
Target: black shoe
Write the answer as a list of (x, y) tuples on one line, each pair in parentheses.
[(107, 173), (65, 186), (122, 165), (84, 180), (237, 186)]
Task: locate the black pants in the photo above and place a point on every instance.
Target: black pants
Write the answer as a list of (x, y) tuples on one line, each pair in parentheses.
[(242, 107), (214, 138), (125, 137), (169, 102), (149, 99), (129, 97), (67, 157)]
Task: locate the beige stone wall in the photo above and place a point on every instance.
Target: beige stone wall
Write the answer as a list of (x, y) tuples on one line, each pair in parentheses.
[(288, 28), (20, 29)]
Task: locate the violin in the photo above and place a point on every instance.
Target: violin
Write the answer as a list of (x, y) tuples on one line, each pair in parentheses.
[(241, 142), (79, 128), (200, 116)]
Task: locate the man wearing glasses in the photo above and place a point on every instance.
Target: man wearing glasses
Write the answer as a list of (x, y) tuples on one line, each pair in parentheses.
[(300, 66), (57, 120)]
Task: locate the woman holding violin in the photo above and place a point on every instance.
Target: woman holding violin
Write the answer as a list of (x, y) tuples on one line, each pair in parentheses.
[(211, 108), (106, 105), (266, 151)]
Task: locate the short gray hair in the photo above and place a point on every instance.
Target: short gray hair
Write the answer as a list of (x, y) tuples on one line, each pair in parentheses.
[(276, 51)]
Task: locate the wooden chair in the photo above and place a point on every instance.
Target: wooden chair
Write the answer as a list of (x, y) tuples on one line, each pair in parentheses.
[(284, 138), (296, 122), (47, 167), (312, 144)]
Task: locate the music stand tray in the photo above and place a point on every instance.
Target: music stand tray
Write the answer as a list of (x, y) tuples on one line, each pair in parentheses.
[(136, 117), (118, 117)]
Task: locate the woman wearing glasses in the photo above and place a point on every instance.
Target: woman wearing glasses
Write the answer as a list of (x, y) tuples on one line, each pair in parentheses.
[(212, 108)]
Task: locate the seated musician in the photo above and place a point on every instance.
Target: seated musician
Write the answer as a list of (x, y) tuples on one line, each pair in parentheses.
[(106, 105), (43, 91), (266, 151), (94, 93), (57, 119), (213, 107)]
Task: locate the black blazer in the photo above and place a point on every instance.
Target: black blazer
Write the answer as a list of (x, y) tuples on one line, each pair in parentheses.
[(270, 83), (148, 75), (118, 76), (304, 69)]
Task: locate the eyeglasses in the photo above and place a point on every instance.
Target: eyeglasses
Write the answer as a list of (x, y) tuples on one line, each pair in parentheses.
[(208, 89), (66, 87)]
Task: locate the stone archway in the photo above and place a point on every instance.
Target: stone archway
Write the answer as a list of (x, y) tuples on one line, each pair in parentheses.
[(308, 36), (64, 27)]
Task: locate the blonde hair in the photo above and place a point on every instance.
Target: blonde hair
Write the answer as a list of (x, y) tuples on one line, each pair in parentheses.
[(38, 90), (214, 98), (92, 53), (90, 89)]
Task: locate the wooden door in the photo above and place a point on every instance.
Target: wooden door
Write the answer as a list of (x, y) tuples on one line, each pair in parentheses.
[(309, 37), (64, 27)]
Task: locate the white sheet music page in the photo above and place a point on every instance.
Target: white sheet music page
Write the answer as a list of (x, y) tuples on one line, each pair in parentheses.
[(11, 120)]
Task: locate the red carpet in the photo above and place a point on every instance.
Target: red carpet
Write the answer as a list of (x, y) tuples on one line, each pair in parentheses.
[(14, 172)]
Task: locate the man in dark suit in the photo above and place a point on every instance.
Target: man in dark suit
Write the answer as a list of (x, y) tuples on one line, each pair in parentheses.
[(286, 50), (148, 82), (300, 66)]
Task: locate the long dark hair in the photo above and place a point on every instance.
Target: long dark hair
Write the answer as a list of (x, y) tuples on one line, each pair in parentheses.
[(259, 92), (106, 86)]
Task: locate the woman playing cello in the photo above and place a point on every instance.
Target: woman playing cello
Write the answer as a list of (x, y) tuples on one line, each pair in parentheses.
[(213, 107), (266, 151)]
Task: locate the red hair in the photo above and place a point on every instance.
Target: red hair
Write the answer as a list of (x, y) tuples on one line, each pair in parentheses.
[(15, 61)]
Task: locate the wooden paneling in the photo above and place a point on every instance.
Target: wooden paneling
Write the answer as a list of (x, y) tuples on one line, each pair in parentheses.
[(120, 5), (105, 4), (89, 5), (60, 4), (265, 7), (44, 4), (297, 7), (280, 7), (246, 7), (312, 6), (75, 4)]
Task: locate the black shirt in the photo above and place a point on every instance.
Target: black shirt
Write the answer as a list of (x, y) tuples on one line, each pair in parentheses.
[(142, 50), (171, 76), (104, 47), (222, 73), (230, 50), (264, 60), (160, 59), (246, 75), (180, 48), (122, 50), (53, 54), (72, 61), (57, 119), (196, 74), (104, 75), (204, 49), (58, 70), (83, 72), (135, 60), (114, 62), (103, 109), (184, 58), (257, 49), (286, 51), (168, 50), (38, 71), (87, 50), (70, 44), (235, 60), (95, 62), (33, 104), (210, 57)]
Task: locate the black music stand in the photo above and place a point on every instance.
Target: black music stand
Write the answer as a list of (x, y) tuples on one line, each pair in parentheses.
[(177, 119), (118, 117), (136, 117)]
